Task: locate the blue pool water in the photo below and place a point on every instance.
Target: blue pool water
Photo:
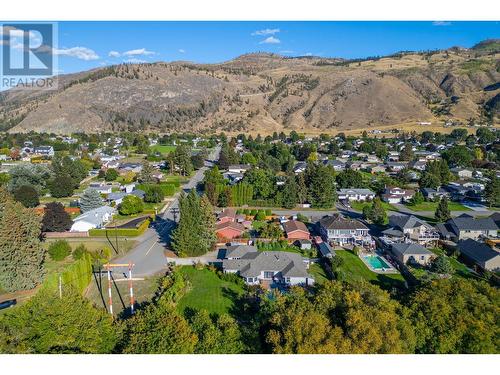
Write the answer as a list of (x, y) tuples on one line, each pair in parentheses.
[(376, 262)]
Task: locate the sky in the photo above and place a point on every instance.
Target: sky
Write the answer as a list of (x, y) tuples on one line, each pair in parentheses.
[(85, 45)]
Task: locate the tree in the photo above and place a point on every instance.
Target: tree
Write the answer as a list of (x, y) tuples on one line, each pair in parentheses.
[(349, 179), (271, 230), (21, 254), (181, 159), (225, 197), (459, 134), (376, 213), (59, 250), (90, 199), (485, 135), (111, 174), (146, 174), (492, 191), (406, 153), (455, 316), (35, 175), (290, 193), (131, 205), (198, 160), (55, 218), (153, 194), (262, 181), (321, 182), (459, 156), (442, 213), (418, 198), (195, 233), (61, 186), (227, 157), (49, 324), (442, 265), (219, 334), (27, 195)]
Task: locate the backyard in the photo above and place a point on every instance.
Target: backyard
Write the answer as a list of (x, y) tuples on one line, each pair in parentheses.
[(431, 206), (317, 271), (353, 269), (360, 205), (209, 292)]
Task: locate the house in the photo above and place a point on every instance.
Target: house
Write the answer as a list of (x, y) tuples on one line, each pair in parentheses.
[(336, 164), (266, 267), (419, 165), (228, 230), (395, 166), (397, 195), (228, 215), (130, 167), (300, 167), (233, 177), (358, 195), (431, 194), (324, 248), (116, 198), (462, 172), (377, 168), (44, 151), (101, 188), (238, 168), (480, 254), (408, 227), (343, 231), (412, 253), (465, 226), (92, 219), (295, 229)]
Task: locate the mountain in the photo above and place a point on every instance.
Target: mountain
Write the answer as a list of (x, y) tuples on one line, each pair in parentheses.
[(262, 92)]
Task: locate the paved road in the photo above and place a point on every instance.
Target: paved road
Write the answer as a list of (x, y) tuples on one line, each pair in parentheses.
[(149, 255)]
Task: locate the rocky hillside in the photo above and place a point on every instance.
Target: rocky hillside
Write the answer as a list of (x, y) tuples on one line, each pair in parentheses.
[(266, 93)]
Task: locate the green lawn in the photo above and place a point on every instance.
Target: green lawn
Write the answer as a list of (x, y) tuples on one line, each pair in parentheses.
[(317, 271), (258, 224), (209, 292), (353, 269), (431, 206), (360, 205), (163, 149), (460, 268)]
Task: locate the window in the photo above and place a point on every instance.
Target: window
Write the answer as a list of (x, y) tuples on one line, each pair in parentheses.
[(287, 280), (422, 257), (268, 274)]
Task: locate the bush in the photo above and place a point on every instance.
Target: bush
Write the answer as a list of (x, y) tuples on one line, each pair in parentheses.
[(111, 174), (268, 212), (79, 252), (246, 211), (261, 215), (253, 212), (59, 250), (131, 205), (153, 193)]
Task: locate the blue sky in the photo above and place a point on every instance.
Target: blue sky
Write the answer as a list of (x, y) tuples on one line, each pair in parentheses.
[(85, 45)]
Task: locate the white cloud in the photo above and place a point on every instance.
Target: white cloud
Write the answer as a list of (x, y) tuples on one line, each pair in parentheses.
[(441, 23), (182, 51), (134, 61), (138, 52), (308, 54), (270, 40), (265, 32), (114, 54), (82, 53)]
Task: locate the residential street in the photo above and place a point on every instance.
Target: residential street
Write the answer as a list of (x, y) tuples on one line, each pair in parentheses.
[(149, 255)]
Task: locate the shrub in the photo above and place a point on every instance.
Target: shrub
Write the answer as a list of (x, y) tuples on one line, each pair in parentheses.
[(153, 193), (261, 215), (111, 174), (59, 250), (131, 205), (268, 212), (253, 212), (27, 195), (79, 252)]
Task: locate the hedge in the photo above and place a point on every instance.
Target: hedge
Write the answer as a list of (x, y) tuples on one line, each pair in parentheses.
[(77, 274), (122, 232)]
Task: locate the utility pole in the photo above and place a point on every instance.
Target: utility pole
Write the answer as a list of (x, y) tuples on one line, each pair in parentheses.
[(131, 288), (109, 290)]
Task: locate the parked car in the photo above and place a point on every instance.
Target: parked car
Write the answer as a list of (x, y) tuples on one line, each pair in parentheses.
[(8, 303)]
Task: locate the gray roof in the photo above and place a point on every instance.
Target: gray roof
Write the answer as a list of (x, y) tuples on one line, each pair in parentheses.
[(337, 221), (239, 250), (325, 249), (406, 222), (393, 232), (410, 249), (356, 191), (477, 251), (116, 196), (95, 216), (466, 222), (251, 262)]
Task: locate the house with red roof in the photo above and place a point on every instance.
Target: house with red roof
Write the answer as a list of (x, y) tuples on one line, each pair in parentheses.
[(296, 230)]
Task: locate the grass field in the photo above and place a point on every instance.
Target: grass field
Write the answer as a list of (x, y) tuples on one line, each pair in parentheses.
[(360, 205), (163, 149), (354, 269), (431, 206), (318, 272), (209, 292)]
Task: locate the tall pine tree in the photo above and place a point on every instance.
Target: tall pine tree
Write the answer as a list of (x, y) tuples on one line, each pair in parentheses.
[(442, 213)]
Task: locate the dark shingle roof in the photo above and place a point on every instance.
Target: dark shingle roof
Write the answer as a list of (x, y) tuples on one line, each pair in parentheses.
[(477, 251), (406, 221), (337, 221), (293, 225), (469, 223), (410, 249)]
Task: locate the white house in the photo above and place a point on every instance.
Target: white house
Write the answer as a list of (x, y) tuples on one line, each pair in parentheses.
[(356, 195), (92, 219)]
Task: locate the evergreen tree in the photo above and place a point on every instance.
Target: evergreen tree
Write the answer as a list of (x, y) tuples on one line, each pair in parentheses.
[(146, 175), (322, 192), (21, 254), (207, 224), (290, 196), (61, 186), (90, 200), (376, 213), (492, 191), (442, 213), (302, 190), (55, 218), (406, 153)]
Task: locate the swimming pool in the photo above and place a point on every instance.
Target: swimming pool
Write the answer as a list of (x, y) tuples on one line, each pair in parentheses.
[(376, 262)]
